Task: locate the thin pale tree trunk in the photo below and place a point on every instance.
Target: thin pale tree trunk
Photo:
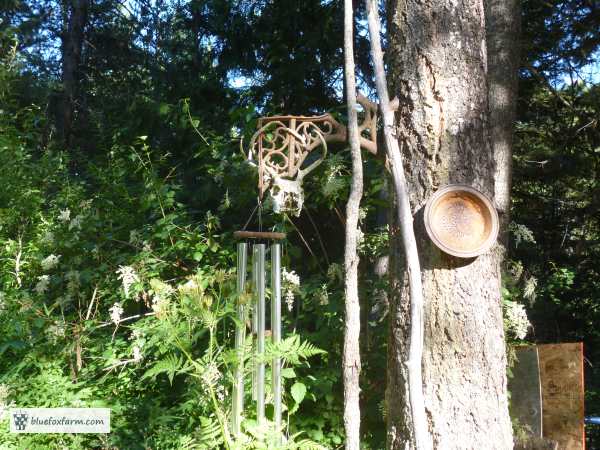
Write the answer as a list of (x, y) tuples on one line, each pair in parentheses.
[(404, 216), (351, 356)]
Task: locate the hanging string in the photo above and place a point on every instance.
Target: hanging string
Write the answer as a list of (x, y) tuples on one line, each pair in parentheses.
[(260, 210), (251, 216)]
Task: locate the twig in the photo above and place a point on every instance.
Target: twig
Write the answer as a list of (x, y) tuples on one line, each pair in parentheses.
[(321, 244), (89, 311), (340, 216), (106, 324), (18, 256), (120, 363), (303, 240), (590, 123), (552, 89), (194, 126), (564, 236), (540, 163)]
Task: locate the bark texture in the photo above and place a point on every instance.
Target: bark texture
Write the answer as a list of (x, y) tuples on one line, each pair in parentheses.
[(75, 14), (502, 32), (351, 356), (437, 64)]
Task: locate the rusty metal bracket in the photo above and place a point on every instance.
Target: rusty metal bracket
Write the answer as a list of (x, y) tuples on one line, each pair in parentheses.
[(281, 145)]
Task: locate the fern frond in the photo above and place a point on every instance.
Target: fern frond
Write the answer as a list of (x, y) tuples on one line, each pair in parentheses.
[(171, 365), (292, 350), (303, 444), (209, 434)]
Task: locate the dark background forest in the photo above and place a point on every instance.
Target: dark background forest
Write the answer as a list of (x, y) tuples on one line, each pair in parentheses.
[(122, 182)]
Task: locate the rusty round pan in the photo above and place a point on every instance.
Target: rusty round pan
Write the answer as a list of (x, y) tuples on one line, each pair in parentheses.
[(461, 221)]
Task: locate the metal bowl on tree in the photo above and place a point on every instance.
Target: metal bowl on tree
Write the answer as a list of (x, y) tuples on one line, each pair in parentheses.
[(461, 221)]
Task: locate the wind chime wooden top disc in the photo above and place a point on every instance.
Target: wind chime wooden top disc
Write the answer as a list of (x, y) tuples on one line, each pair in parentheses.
[(263, 235)]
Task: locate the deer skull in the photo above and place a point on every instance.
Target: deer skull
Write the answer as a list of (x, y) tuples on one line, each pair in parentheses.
[(287, 195), (283, 181)]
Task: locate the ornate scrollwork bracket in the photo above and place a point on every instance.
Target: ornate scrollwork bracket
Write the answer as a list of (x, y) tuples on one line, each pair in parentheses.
[(282, 149)]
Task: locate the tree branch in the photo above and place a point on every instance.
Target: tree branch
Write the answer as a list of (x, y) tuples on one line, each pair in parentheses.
[(422, 440)]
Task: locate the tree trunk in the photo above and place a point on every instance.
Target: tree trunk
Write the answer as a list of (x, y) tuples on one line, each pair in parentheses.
[(502, 32), (74, 21), (437, 65), (351, 364)]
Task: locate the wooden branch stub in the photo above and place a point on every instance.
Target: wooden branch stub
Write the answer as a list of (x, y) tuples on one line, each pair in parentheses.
[(369, 123), (266, 235)]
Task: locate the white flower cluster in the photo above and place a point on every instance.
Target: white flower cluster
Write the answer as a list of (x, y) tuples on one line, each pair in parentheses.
[(42, 284), (48, 238), (137, 353), (128, 277), (360, 236), (362, 213), (323, 295), (521, 233), (220, 393), (56, 331), (159, 304), (211, 374), (291, 283), (137, 336), (4, 404), (160, 298), (516, 319), (290, 278), (50, 262), (116, 312), (65, 215), (289, 299), (76, 222), (190, 287)]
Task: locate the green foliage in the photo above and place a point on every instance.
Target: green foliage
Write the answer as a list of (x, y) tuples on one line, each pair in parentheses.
[(112, 295), (132, 215)]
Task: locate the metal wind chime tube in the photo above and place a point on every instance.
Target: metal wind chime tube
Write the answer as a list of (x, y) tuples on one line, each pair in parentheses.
[(240, 338), (276, 330), (260, 338), (254, 316), (256, 312)]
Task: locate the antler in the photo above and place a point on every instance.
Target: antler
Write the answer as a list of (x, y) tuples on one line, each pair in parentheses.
[(323, 143), (292, 138)]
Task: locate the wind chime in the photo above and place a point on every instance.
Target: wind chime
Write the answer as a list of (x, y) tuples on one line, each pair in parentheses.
[(257, 243), (284, 150)]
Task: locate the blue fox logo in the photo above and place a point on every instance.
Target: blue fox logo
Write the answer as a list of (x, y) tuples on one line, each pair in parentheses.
[(20, 420)]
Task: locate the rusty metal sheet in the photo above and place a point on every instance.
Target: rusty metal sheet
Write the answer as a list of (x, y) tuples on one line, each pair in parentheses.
[(525, 390), (561, 374)]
